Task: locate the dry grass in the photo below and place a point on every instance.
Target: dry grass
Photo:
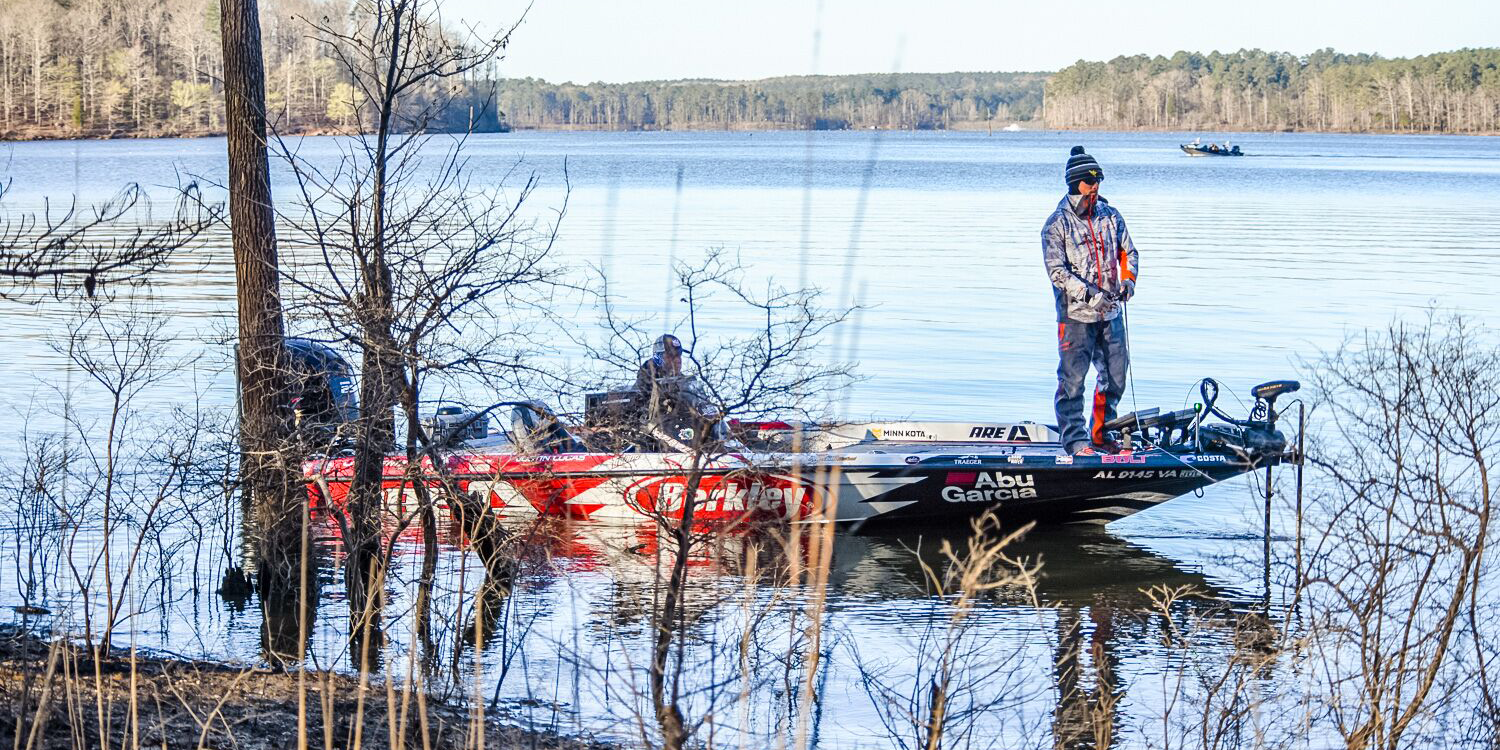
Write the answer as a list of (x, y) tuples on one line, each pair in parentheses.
[(55, 700)]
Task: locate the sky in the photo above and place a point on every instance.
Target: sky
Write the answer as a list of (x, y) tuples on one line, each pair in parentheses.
[(615, 40)]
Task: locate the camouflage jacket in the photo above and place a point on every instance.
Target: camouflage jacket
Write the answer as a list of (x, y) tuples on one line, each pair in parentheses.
[(1086, 255)]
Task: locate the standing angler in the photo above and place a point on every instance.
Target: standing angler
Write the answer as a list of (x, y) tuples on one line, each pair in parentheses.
[(1092, 264)]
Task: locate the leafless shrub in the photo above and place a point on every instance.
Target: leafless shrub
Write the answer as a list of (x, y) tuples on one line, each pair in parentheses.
[(67, 248), (1399, 562), (947, 681), (765, 366), (408, 259), (32, 488), (1222, 666)]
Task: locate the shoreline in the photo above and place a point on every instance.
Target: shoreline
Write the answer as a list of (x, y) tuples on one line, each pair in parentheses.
[(961, 127), (58, 697)]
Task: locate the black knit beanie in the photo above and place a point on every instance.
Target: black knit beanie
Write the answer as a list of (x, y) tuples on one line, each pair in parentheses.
[(1081, 165)]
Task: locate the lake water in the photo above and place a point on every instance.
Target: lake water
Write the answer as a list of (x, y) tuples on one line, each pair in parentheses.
[(1249, 267)]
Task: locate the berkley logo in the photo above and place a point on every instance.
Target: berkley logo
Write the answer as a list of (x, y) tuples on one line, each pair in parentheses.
[(721, 497), (1015, 432), (988, 487)]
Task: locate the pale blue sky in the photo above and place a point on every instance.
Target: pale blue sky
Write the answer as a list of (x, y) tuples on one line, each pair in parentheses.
[(627, 40)]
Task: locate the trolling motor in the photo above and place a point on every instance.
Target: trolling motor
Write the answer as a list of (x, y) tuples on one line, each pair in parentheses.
[(1252, 438), (1265, 398)]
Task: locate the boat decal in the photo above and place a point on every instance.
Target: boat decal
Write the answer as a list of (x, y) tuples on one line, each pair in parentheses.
[(871, 485), (726, 497), (984, 486), (1018, 433), (1145, 473), (882, 507)]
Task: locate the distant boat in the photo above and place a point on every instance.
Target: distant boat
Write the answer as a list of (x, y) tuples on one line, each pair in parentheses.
[(1012, 128), (1209, 149)]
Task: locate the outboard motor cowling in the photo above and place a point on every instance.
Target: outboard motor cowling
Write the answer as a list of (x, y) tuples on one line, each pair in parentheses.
[(322, 384)]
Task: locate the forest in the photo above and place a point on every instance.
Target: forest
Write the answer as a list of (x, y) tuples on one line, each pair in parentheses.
[(910, 101), (109, 68), (1448, 92)]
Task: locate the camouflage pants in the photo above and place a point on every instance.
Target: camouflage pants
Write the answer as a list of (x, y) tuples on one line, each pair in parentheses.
[(1103, 345)]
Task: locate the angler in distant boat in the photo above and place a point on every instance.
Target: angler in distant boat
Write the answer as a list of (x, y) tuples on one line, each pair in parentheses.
[(1198, 148), (1092, 264)]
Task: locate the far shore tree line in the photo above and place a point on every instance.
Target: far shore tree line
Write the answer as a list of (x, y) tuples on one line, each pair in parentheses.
[(132, 68), (1447, 92)]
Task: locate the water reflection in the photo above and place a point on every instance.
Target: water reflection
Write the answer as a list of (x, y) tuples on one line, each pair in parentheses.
[(562, 633), (1080, 567), (569, 625), (1100, 588)]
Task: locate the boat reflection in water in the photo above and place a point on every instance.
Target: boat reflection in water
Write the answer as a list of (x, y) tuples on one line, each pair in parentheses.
[(1102, 593), (1079, 655), (1066, 641)]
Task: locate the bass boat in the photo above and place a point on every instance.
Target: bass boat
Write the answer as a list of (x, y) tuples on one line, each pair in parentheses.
[(876, 472), (1199, 149)]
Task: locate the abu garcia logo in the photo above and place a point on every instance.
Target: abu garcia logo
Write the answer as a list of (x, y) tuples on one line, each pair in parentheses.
[(988, 487)]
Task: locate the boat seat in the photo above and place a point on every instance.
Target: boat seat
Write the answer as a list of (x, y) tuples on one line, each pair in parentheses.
[(1130, 420), (535, 429)]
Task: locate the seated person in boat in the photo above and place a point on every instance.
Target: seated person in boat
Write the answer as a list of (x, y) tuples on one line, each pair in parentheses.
[(665, 363), (669, 405)]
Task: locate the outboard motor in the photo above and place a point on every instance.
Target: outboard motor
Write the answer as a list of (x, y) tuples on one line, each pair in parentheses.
[(322, 385)]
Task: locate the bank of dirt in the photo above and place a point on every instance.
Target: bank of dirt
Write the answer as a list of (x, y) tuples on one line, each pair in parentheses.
[(54, 698)]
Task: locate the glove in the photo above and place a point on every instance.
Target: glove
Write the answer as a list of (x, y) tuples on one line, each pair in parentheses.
[(1074, 289), (1127, 290)]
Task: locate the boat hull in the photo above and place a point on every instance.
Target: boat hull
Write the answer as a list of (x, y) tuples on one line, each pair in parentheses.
[(1199, 151), (911, 484)]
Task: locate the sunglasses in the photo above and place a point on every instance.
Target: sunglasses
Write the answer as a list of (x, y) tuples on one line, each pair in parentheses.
[(1091, 180)]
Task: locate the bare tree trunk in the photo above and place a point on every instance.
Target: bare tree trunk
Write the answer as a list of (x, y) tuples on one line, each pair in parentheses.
[(664, 697), (380, 385), (264, 467)]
